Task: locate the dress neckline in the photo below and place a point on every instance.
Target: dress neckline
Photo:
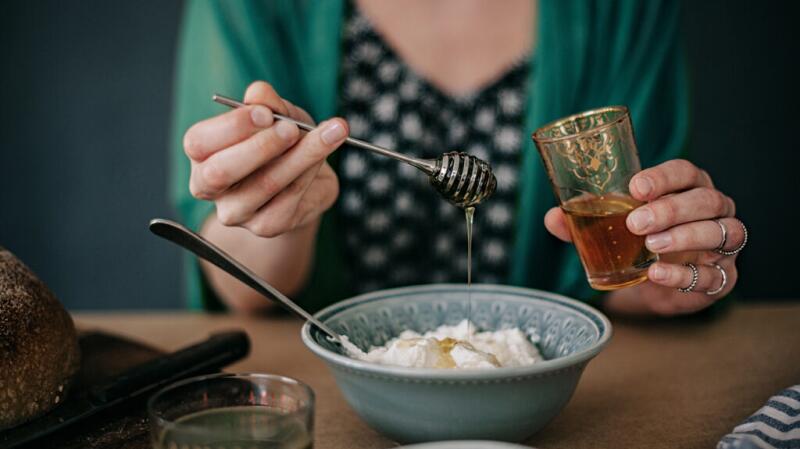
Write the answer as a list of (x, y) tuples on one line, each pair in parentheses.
[(364, 25)]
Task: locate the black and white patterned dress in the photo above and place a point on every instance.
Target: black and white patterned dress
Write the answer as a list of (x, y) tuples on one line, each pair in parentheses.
[(396, 229)]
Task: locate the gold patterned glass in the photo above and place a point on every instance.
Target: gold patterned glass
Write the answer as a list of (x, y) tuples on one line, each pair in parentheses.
[(590, 158)]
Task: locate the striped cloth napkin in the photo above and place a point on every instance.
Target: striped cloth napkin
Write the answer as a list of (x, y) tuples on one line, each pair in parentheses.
[(774, 426)]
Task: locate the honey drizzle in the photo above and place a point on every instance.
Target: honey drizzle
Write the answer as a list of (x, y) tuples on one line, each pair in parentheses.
[(469, 213)]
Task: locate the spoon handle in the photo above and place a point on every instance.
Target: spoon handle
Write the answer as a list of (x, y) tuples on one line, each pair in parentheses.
[(427, 166), (183, 236)]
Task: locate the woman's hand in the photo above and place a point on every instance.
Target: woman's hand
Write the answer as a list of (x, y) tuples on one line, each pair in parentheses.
[(261, 173), (679, 222)]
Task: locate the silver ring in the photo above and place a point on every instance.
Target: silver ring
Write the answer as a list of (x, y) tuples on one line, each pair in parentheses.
[(724, 279), (735, 251), (695, 276), (724, 239)]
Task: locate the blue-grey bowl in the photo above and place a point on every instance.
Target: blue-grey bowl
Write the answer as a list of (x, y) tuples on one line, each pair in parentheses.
[(416, 405)]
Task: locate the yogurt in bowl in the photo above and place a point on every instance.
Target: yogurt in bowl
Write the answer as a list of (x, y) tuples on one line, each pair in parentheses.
[(430, 402), (453, 347)]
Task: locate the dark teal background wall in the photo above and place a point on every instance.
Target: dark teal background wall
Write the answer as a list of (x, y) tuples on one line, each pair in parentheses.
[(84, 103)]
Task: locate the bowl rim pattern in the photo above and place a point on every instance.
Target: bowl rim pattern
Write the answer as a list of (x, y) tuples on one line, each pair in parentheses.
[(536, 370)]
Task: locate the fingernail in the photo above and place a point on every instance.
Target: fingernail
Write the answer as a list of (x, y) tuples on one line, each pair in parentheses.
[(640, 219), (660, 273), (644, 185), (657, 242), (286, 130), (333, 132), (260, 116)]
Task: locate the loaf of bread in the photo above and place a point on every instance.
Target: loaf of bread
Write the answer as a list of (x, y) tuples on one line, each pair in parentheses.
[(39, 352)]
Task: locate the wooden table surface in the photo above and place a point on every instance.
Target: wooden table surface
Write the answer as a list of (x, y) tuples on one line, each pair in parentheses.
[(679, 383)]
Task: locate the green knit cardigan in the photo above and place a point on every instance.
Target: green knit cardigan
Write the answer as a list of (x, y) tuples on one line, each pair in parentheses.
[(588, 53)]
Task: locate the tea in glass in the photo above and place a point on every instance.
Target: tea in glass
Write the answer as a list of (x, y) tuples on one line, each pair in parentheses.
[(590, 159), (612, 256)]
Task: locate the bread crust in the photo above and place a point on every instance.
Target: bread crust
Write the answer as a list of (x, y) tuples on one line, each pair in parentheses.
[(39, 352)]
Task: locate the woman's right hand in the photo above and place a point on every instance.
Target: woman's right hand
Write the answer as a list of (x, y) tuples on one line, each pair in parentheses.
[(260, 172)]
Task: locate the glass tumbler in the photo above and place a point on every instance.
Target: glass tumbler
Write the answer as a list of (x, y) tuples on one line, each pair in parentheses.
[(233, 411), (590, 158)]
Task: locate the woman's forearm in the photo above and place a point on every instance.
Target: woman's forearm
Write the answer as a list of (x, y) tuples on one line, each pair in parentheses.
[(283, 261)]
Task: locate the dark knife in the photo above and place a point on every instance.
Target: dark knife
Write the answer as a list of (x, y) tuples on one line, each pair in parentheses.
[(210, 355)]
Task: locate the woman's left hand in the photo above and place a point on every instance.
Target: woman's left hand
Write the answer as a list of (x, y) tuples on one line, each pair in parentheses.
[(682, 222)]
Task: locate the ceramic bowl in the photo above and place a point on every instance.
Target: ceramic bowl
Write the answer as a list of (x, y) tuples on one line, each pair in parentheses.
[(417, 404)]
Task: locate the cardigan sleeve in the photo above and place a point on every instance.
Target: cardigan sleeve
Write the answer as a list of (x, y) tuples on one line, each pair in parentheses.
[(644, 68), (223, 47)]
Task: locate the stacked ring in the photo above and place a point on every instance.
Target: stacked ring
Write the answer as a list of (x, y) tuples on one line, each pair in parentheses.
[(724, 239), (724, 280), (695, 276), (719, 249)]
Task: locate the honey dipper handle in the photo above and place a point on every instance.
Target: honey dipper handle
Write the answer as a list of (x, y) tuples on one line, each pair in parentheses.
[(427, 166)]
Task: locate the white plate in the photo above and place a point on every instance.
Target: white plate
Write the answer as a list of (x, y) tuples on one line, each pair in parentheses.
[(473, 444)]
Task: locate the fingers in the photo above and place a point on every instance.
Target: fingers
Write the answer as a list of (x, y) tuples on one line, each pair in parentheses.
[(259, 171), (217, 133), (315, 147), (680, 276), (212, 135), (310, 194), (697, 236), (239, 205), (225, 168), (555, 221), (700, 203), (242, 202), (670, 177), (261, 92)]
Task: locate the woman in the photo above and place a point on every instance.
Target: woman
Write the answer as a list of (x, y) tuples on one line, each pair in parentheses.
[(427, 77)]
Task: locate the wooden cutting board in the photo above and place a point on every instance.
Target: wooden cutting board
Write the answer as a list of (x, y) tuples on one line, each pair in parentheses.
[(104, 356)]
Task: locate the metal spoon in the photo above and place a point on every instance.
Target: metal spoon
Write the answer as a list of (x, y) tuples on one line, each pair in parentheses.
[(462, 179), (183, 236)]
